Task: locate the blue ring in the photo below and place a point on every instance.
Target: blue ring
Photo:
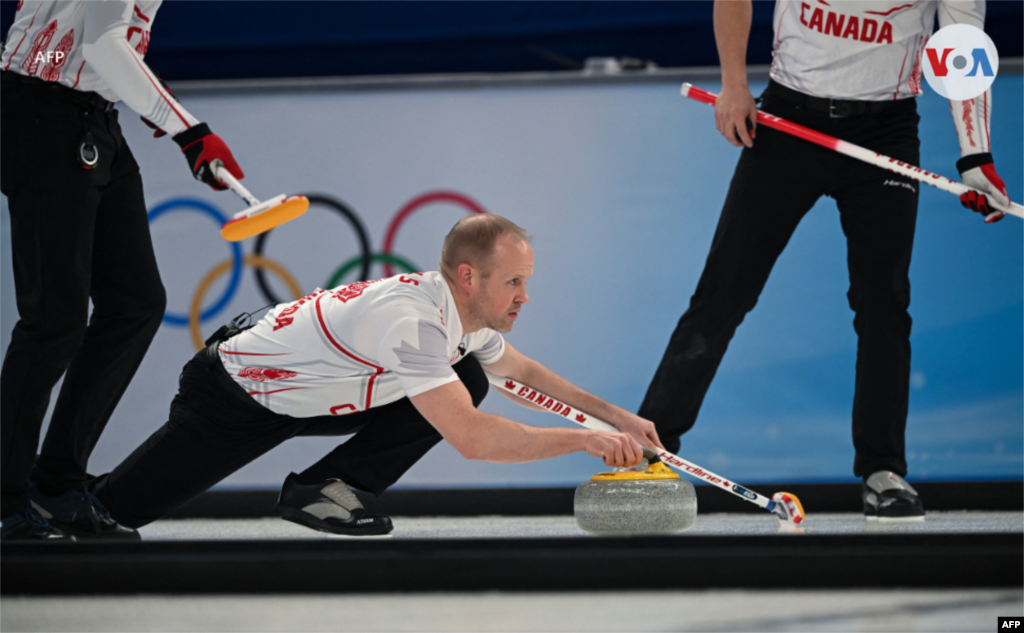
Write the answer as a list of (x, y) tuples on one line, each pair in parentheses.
[(236, 253)]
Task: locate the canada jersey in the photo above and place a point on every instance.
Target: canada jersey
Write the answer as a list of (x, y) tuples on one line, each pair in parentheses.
[(867, 50), (364, 345), (52, 40)]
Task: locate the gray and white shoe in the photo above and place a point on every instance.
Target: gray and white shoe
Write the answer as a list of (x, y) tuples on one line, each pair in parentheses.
[(888, 497), (329, 507)]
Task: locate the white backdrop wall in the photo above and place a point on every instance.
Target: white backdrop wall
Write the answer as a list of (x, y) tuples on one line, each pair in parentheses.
[(621, 186)]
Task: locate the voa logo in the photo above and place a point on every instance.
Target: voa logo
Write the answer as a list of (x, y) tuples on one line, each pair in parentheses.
[(960, 62)]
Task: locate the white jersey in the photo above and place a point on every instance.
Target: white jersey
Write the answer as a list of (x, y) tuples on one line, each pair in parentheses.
[(94, 46), (871, 51), (367, 344)]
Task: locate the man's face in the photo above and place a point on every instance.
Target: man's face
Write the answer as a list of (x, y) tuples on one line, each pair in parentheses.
[(503, 293)]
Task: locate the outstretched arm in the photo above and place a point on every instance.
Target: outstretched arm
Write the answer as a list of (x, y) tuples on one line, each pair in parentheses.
[(515, 365), (493, 438)]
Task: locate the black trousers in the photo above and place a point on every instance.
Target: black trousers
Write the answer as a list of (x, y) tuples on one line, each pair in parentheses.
[(775, 184), (215, 428), (77, 235)]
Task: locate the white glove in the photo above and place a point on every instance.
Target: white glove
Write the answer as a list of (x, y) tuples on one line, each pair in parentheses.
[(978, 172)]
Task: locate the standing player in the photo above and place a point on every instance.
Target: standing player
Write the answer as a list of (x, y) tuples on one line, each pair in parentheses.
[(398, 362), (851, 70), (79, 232)]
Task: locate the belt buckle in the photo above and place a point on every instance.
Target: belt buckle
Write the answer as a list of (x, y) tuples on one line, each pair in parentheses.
[(832, 110)]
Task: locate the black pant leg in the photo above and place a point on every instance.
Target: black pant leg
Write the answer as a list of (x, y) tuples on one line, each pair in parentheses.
[(389, 439), (128, 304), (775, 183), (214, 429), (879, 211), (53, 204)]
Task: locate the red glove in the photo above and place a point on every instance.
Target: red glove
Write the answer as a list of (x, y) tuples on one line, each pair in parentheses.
[(158, 133), (978, 172), (201, 148)]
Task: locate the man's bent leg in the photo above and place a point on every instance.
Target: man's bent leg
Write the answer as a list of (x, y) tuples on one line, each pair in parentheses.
[(776, 182), (211, 433), (393, 438)]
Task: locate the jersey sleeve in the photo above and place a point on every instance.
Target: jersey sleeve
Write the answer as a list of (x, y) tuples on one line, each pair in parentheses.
[(970, 116), (416, 350), (487, 346), (106, 49)]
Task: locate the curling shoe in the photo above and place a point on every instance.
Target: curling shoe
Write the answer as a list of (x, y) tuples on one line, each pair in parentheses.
[(329, 507), (887, 497), (28, 525), (79, 513)]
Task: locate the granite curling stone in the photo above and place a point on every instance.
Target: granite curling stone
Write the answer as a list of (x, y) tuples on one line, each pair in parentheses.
[(650, 502)]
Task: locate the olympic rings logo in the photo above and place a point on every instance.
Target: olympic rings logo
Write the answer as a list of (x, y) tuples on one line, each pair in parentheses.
[(261, 264)]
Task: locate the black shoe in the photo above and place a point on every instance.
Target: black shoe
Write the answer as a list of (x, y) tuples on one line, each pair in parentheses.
[(78, 512), (29, 525), (887, 497), (329, 507)]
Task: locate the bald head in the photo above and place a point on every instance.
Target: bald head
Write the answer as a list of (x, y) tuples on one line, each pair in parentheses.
[(473, 240)]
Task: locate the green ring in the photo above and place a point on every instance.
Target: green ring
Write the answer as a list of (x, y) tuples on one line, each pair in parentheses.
[(376, 257)]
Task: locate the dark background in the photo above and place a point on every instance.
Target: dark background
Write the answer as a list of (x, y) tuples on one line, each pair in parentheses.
[(294, 38)]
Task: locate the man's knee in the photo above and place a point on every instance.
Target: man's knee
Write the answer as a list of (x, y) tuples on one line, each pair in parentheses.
[(145, 306), (60, 333), (879, 294)]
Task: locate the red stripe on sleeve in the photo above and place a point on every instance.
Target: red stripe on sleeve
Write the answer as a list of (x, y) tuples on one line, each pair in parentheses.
[(78, 77), (984, 113), (156, 84)]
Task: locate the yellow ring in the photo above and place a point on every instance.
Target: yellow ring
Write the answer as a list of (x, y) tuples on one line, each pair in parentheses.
[(256, 261)]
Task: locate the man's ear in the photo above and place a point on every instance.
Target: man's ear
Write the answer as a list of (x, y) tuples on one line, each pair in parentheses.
[(467, 277)]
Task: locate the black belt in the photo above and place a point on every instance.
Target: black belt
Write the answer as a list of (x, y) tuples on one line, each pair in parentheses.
[(835, 108), (90, 100)]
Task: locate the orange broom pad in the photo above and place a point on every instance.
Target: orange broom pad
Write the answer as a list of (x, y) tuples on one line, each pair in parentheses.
[(258, 220)]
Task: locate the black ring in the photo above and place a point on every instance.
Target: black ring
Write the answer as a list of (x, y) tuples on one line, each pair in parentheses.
[(348, 214)]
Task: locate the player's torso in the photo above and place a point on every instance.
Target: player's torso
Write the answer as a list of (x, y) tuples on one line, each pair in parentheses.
[(868, 50), (46, 39), (326, 345)]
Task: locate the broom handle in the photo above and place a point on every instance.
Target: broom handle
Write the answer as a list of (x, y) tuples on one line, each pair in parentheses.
[(222, 174), (849, 149)]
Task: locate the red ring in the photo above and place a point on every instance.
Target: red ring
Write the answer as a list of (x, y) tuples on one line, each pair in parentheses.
[(416, 203)]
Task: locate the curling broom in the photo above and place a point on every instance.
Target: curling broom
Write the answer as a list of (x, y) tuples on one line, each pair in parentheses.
[(854, 151), (785, 505), (260, 216)]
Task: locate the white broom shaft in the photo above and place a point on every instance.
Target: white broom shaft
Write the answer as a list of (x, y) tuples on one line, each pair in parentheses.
[(223, 175), (563, 410), (849, 149)]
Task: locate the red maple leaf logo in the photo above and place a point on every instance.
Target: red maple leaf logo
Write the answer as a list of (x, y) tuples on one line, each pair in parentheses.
[(509, 384), (581, 418)]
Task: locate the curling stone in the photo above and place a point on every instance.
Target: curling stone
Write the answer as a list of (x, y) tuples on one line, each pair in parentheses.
[(654, 501)]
